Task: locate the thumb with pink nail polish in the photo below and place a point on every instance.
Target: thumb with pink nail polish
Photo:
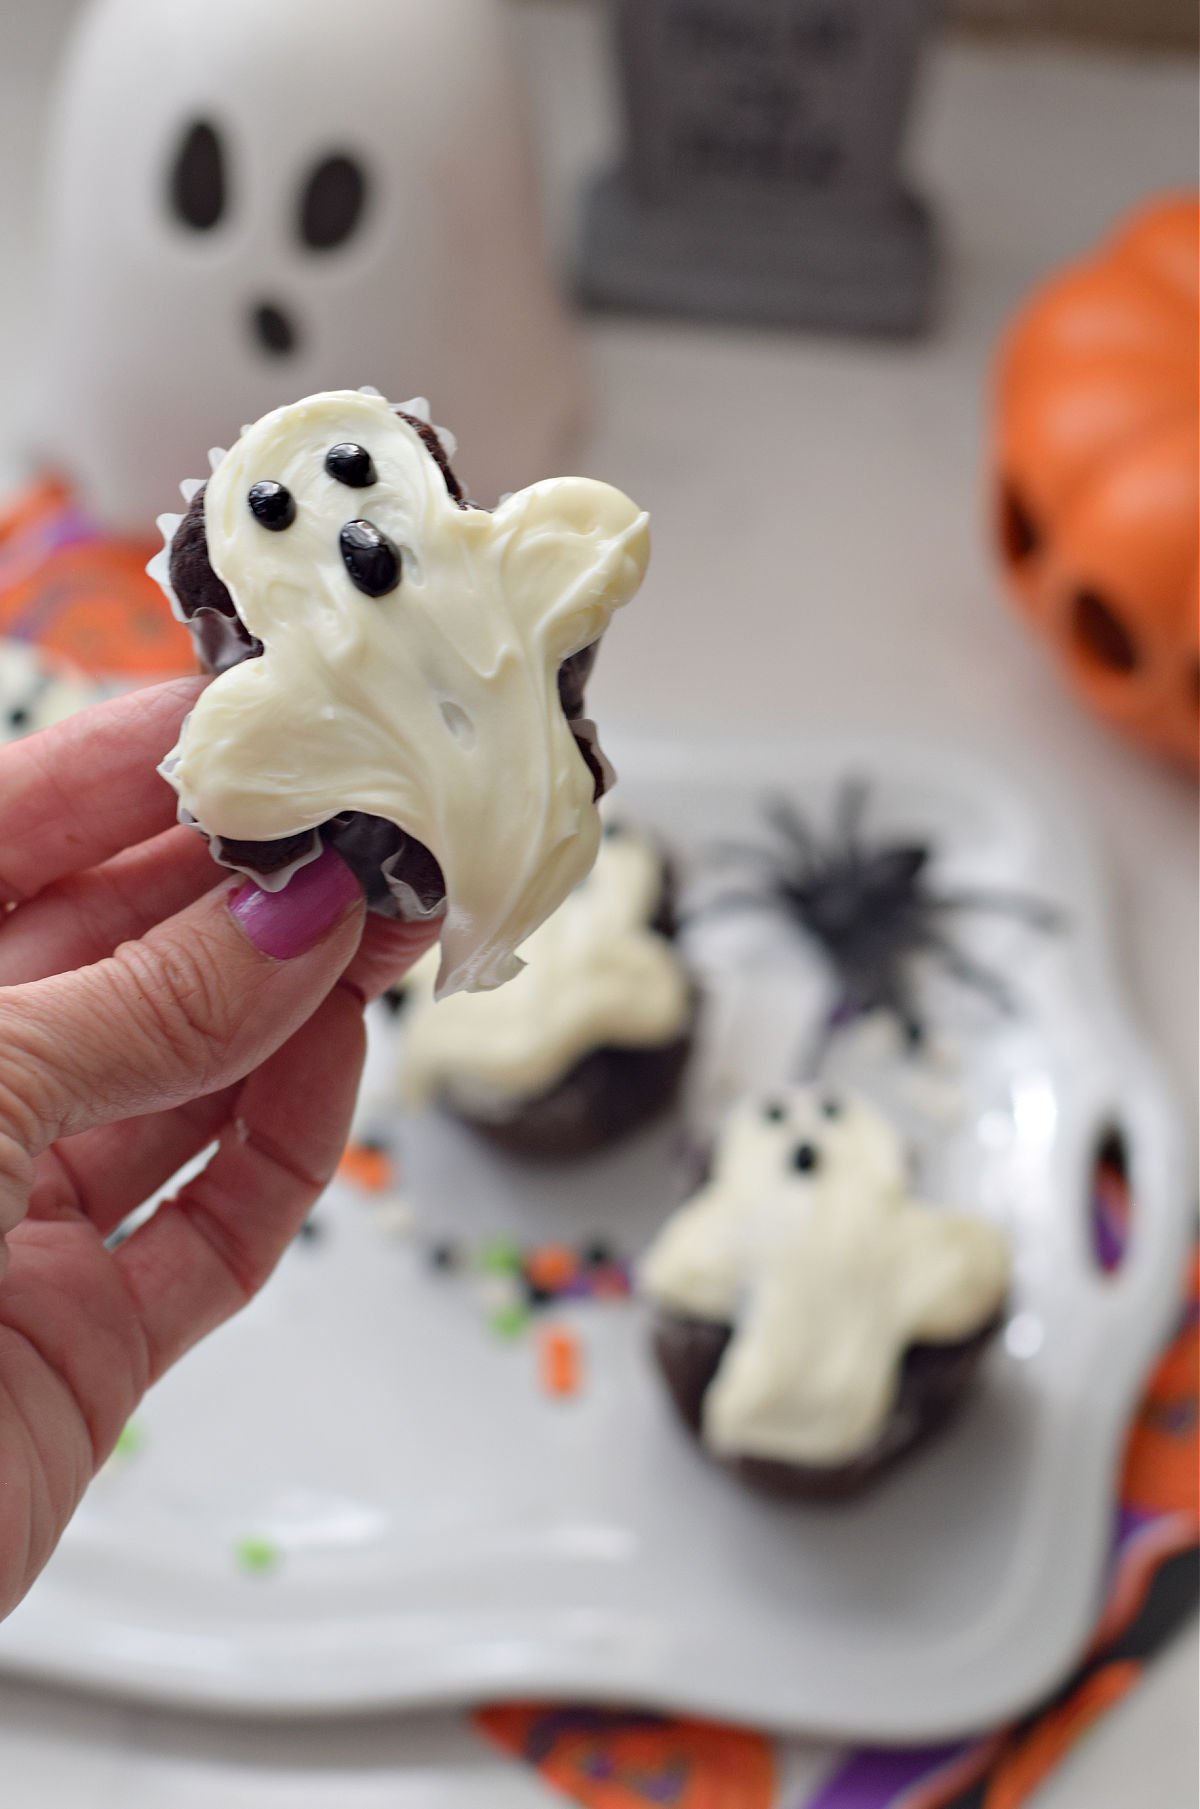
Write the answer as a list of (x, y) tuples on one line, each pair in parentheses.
[(290, 922)]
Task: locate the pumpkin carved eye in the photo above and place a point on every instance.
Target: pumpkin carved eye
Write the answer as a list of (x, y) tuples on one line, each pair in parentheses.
[(1101, 635), (1018, 530)]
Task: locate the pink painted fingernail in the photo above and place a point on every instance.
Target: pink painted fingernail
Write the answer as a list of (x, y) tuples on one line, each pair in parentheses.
[(289, 923)]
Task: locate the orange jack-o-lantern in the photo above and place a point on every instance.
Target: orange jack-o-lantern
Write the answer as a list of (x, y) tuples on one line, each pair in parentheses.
[(1096, 474)]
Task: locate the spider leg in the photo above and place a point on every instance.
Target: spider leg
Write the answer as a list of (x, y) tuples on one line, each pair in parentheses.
[(897, 999), (1035, 911), (844, 1012), (791, 827), (849, 811), (970, 973)]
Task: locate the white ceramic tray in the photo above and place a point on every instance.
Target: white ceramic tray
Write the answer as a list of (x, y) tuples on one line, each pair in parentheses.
[(448, 1532)]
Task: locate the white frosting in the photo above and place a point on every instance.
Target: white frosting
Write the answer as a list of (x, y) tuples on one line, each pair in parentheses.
[(436, 705), (37, 690), (597, 976), (827, 1276)]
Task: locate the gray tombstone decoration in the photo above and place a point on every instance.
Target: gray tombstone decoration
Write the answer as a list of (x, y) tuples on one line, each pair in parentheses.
[(761, 179)]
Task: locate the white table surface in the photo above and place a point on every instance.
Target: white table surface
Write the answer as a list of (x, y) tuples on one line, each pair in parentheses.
[(819, 558)]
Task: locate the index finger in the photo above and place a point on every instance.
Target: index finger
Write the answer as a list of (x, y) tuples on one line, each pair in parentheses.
[(80, 791)]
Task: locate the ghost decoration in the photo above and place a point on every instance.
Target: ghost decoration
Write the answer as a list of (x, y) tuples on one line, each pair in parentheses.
[(252, 200), (401, 663), (807, 1243), (37, 690)]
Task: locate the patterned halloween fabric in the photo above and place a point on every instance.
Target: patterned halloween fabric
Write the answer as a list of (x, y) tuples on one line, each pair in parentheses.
[(83, 595), (609, 1760)]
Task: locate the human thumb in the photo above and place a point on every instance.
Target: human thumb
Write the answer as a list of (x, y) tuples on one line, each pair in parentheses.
[(194, 1005)]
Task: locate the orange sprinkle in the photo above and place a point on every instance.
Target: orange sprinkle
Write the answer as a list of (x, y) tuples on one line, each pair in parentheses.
[(560, 1361), (551, 1266), (370, 1168)]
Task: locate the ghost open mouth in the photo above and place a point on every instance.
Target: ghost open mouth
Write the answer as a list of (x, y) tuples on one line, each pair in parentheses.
[(398, 673)]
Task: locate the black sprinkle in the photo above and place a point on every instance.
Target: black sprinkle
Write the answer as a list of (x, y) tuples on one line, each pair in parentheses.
[(537, 1296), (370, 558), (806, 1157), (351, 465), (443, 1256), (832, 1108), (272, 505), (311, 1232), (774, 1113)]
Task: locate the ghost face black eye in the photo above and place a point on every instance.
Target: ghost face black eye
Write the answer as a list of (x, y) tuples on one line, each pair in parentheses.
[(806, 1158), (272, 506), (774, 1113), (832, 1108), (197, 187), (370, 558), (332, 203), (351, 465)]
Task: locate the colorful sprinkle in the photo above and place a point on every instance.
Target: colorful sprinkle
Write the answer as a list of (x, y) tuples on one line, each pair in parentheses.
[(368, 1166), (395, 1216), (257, 1554), (499, 1291), (508, 1322), (613, 1282), (551, 1267), (500, 1256), (560, 1361), (130, 1440)]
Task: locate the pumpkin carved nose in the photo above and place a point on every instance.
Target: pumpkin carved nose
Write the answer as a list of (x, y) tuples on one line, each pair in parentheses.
[(1101, 635), (1018, 530)]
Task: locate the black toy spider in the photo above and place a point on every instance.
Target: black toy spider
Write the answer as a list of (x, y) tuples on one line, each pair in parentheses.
[(871, 909)]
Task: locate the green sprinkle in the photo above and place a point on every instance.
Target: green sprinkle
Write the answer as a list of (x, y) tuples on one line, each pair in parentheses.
[(130, 1440), (257, 1554), (509, 1321), (501, 1256)]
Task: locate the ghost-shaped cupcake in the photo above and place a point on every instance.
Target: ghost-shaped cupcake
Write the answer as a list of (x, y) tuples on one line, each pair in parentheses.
[(815, 1320), (398, 673), (589, 1042)]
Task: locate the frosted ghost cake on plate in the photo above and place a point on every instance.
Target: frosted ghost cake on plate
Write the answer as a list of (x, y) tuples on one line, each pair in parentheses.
[(589, 1041), (814, 1322), (398, 673)]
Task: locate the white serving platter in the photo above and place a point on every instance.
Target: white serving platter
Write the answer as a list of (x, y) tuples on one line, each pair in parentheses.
[(448, 1532)]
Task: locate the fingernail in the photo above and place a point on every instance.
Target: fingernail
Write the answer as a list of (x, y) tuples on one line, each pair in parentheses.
[(289, 923)]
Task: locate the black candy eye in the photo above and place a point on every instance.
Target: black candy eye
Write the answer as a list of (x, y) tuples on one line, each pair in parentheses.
[(332, 203), (371, 560), (774, 1113), (832, 1108), (18, 717), (197, 184), (272, 506), (351, 465), (806, 1157)]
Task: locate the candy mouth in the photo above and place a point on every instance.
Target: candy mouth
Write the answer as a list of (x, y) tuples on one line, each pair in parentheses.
[(273, 329)]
